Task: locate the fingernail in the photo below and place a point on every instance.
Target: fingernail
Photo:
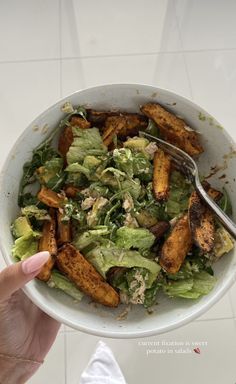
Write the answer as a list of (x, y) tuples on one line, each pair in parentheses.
[(33, 263)]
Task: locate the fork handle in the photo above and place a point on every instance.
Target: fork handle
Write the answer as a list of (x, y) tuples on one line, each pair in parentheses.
[(224, 219)]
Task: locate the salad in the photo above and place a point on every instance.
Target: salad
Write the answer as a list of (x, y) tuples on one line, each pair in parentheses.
[(120, 222)]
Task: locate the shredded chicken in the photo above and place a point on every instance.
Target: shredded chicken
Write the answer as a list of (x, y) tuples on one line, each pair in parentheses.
[(130, 221), (150, 149), (128, 203), (87, 203)]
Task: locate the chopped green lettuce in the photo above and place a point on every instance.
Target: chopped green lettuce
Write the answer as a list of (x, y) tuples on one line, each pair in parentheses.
[(140, 238), (59, 281), (151, 293), (87, 142), (26, 246), (191, 288), (34, 211), (132, 186), (225, 203), (133, 163), (124, 160), (180, 190), (104, 258), (92, 236)]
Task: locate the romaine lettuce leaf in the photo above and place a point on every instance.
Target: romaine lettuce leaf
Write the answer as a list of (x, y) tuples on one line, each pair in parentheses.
[(192, 288), (59, 281), (87, 142), (180, 190), (104, 258), (140, 238)]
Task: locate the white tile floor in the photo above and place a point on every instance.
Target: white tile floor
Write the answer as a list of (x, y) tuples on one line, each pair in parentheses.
[(53, 47)]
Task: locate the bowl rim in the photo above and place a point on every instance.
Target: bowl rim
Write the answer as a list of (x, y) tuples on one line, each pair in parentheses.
[(226, 283)]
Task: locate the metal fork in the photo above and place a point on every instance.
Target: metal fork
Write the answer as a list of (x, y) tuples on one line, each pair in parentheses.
[(188, 166)]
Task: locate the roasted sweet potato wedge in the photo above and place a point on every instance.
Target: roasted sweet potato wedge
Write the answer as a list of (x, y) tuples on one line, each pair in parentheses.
[(65, 141), (134, 123), (176, 246), (66, 137), (48, 243), (161, 173), (74, 265), (98, 118), (201, 221), (63, 230), (78, 121), (173, 129), (50, 198), (212, 192), (113, 125)]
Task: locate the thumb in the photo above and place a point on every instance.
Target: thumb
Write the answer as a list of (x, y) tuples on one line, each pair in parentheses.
[(17, 275)]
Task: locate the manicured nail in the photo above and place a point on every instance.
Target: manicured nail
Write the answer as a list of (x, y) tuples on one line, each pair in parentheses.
[(33, 263)]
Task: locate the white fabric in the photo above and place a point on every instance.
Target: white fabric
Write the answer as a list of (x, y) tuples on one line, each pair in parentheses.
[(102, 368)]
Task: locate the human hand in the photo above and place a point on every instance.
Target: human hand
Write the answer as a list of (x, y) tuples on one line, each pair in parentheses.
[(26, 332)]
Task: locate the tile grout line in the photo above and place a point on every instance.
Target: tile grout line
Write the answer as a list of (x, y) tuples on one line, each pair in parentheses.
[(183, 53), (186, 52)]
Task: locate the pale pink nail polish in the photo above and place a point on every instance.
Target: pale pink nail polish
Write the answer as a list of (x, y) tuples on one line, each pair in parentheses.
[(33, 263)]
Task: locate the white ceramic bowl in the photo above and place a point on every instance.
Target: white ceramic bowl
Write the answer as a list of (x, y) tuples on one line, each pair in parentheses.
[(98, 320)]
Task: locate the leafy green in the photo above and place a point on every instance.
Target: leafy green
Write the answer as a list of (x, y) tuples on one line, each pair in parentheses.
[(92, 236), (34, 211), (96, 211), (180, 190), (132, 186), (124, 160), (225, 203), (72, 210), (133, 163), (27, 198), (104, 258), (59, 281), (26, 246), (87, 142), (152, 128), (151, 293), (187, 270), (71, 111), (191, 288), (139, 238)]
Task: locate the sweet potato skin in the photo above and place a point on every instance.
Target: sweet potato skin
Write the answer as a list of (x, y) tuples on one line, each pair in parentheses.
[(201, 220), (65, 141), (176, 246), (113, 125), (78, 121), (63, 230), (161, 173), (173, 129), (50, 198), (48, 243), (74, 265), (66, 137)]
